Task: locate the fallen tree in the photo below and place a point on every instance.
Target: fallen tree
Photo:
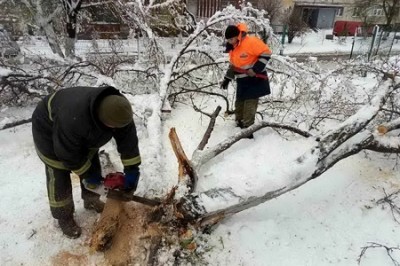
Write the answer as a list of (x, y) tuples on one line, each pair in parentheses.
[(183, 214)]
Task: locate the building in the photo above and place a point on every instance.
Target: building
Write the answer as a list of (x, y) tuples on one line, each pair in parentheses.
[(317, 14), (206, 8)]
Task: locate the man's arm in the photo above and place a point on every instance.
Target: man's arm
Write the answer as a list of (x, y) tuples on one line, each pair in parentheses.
[(127, 145), (263, 52)]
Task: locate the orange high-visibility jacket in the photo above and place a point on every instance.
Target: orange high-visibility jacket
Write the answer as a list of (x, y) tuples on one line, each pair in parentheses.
[(250, 52)]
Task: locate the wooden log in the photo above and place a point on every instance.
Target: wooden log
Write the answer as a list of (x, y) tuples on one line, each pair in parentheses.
[(185, 166), (127, 234), (107, 226)]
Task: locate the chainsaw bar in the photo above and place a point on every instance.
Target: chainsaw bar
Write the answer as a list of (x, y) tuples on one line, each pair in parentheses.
[(123, 196)]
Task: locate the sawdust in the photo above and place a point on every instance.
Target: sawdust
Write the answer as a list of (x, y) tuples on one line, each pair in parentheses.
[(65, 258)]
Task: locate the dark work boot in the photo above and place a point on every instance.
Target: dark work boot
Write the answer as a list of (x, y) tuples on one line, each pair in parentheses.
[(69, 227), (93, 204)]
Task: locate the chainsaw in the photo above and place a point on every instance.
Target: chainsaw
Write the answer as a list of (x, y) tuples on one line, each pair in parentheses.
[(114, 186)]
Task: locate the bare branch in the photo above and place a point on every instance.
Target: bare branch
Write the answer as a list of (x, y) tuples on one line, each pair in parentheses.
[(210, 128)]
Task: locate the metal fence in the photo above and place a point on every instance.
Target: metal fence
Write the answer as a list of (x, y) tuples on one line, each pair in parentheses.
[(379, 43)]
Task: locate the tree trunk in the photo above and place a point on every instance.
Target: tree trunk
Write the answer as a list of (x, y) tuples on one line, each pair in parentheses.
[(52, 39), (70, 47), (128, 233)]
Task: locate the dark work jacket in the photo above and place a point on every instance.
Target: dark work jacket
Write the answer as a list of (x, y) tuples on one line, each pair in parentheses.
[(67, 132), (249, 87)]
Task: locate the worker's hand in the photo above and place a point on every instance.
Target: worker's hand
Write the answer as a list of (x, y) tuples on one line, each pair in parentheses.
[(225, 83), (93, 183), (251, 72), (132, 175)]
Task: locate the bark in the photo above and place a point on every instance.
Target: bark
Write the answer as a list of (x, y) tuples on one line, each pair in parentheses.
[(70, 47)]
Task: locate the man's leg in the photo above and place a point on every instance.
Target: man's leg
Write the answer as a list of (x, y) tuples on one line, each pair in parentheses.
[(239, 113), (91, 200), (59, 190), (249, 111)]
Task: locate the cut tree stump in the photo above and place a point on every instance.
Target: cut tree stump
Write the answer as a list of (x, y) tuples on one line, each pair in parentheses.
[(126, 233)]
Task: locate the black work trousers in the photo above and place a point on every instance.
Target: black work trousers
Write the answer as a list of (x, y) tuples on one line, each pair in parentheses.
[(59, 189)]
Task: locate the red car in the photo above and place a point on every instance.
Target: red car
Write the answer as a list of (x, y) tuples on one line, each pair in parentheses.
[(349, 28)]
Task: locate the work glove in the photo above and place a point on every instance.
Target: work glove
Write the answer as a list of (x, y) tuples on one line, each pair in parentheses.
[(132, 175), (225, 83), (94, 183)]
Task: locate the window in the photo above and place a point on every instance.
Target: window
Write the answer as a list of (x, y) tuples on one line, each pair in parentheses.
[(339, 12), (356, 12), (378, 12)]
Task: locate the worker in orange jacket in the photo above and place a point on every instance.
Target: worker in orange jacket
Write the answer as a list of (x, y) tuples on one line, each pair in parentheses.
[(248, 56)]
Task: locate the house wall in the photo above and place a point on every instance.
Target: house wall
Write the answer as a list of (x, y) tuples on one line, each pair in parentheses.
[(206, 8), (348, 14), (324, 17), (320, 2)]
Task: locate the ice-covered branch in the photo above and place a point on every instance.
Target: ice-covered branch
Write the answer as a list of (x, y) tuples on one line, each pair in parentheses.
[(335, 137), (201, 157), (347, 139)]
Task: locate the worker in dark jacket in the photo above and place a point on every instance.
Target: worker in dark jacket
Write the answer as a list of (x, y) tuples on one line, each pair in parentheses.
[(248, 56), (69, 126)]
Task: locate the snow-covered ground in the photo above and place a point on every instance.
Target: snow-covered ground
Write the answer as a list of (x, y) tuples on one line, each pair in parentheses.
[(325, 222), (316, 43), (309, 43)]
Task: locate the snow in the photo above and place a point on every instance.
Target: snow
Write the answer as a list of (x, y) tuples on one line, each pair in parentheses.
[(315, 42), (325, 222), (5, 72)]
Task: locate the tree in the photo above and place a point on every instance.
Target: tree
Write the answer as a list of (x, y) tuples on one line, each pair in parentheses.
[(273, 8), (71, 9), (44, 15), (295, 23), (391, 10), (365, 10)]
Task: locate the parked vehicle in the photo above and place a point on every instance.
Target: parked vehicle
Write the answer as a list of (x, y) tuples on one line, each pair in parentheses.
[(8, 47), (349, 28)]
